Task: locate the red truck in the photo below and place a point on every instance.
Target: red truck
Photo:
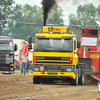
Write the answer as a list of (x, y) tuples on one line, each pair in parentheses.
[(88, 53)]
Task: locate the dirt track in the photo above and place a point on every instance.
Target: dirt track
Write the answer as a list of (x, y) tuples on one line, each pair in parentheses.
[(17, 87)]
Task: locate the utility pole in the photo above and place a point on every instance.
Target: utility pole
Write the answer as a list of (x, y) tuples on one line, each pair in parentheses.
[(1, 22)]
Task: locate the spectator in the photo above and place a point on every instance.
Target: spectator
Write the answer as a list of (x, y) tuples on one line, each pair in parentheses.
[(24, 63)]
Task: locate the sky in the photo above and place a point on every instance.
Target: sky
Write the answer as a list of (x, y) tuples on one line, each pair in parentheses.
[(30, 2), (69, 6)]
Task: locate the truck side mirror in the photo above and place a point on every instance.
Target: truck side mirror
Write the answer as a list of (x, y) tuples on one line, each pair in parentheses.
[(30, 46), (78, 44), (30, 40), (15, 47)]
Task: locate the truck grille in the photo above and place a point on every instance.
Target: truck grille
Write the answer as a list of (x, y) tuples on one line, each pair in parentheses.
[(53, 60), (4, 59)]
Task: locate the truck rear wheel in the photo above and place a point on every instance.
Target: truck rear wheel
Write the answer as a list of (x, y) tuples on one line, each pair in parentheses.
[(81, 78), (75, 81), (36, 80)]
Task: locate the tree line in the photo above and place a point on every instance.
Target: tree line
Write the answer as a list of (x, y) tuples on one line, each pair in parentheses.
[(23, 21)]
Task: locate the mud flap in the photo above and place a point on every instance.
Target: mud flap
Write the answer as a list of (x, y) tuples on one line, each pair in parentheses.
[(96, 74), (99, 68), (87, 62)]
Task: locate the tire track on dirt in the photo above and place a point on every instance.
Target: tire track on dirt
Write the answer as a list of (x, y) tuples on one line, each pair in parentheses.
[(56, 94)]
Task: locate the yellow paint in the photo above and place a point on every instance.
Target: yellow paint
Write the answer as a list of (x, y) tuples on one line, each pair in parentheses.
[(55, 35), (52, 54), (54, 29), (65, 74), (94, 55)]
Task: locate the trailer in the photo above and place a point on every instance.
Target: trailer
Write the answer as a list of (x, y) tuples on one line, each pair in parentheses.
[(22, 49)]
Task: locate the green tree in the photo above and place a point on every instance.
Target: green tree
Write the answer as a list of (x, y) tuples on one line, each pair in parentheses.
[(20, 26), (5, 10), (98, 13), (85, 15), (26, 14)]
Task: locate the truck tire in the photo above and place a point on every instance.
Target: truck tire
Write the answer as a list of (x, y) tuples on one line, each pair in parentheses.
[(36, 80), (82, 77), (75, 81)]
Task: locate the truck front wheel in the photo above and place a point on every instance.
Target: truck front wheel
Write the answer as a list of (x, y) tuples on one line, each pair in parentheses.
[(75, 81)]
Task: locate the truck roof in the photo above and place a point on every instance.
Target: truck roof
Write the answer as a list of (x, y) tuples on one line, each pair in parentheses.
[(55, 35), (5, 37)]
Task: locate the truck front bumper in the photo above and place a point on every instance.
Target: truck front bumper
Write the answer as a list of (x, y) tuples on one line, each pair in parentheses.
[(54, 74)]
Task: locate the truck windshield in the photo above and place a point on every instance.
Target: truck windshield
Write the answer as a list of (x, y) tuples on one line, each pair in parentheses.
[(6, 45), (54, 44), (89, 41)]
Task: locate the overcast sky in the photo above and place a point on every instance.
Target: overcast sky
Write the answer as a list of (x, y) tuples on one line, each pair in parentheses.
[(69, 6), (31, 2)]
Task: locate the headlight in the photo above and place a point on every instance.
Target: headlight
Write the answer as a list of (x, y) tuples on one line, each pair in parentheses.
[(69, 70), (11, 64), (36, 69), (11, 52), (11, 68), (10, 56)]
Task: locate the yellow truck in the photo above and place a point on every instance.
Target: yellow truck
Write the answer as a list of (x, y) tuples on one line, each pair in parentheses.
[(55, 56)]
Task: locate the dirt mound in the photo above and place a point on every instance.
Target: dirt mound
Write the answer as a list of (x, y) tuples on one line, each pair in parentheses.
[(89, 80)]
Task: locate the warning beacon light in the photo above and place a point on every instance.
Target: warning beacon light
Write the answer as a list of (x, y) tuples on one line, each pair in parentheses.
[(69, 32), (40, 31), (78, 27)]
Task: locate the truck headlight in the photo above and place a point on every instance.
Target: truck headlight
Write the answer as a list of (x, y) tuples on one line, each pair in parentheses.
[(10, 56), (11, 64), (69, 70), (11, 68), (36, 69)]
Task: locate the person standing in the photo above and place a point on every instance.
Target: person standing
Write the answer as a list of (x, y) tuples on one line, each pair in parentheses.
[(24, 63)]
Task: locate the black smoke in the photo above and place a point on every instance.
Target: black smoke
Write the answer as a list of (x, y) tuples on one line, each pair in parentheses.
[(47, 5)]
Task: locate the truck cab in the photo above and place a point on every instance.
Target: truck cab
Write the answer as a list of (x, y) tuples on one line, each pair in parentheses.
[(55, 56), (7, 55)]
